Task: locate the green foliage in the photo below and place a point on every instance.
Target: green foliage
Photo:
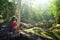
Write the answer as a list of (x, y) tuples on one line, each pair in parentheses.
[(6, 10), (58, 11)]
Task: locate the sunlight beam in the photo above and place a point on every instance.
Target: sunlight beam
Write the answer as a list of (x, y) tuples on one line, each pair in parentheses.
[(41, 3)]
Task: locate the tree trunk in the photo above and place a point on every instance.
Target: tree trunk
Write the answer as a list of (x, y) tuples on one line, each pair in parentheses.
[(18, 11)]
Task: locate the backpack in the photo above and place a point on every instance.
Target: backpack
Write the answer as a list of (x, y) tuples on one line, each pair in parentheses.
[(9, 26)]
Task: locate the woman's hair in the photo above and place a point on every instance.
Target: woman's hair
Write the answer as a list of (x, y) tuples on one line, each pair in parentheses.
[(13, 19)]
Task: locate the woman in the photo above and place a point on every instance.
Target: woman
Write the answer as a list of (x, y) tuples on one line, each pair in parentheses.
[(12, 25)]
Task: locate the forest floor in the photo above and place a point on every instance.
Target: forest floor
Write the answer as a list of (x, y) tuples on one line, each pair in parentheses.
[(34, 33), (40, 33)]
